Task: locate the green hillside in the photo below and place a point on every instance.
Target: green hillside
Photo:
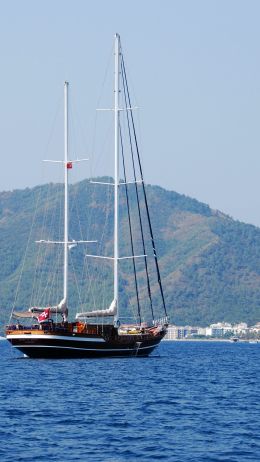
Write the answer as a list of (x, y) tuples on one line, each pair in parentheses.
[(210, 264)]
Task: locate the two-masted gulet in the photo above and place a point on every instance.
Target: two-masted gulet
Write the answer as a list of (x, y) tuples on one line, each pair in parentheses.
[(97, 333)]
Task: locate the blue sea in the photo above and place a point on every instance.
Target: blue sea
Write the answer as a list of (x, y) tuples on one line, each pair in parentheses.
[(189, 401)]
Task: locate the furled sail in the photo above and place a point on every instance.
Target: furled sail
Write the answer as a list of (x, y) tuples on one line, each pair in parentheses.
[(60, 308), (111, 311), (23, 314)]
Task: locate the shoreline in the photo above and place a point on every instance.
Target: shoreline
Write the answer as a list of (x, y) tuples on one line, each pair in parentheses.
[(210, 340)]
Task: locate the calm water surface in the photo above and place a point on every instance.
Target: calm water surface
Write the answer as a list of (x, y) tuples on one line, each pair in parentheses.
[(189, 401)]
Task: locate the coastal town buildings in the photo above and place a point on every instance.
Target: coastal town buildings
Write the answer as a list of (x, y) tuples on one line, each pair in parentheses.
[(216, 330)]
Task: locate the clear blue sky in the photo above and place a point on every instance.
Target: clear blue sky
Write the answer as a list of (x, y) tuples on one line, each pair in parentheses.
[(195, 65)]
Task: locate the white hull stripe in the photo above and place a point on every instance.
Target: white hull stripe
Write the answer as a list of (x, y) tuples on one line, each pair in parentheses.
[(85, 349), (55, 337)]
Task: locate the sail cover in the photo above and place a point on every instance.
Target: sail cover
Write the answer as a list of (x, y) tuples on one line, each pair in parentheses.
[(60, 308), (111, 311), (23, 314)]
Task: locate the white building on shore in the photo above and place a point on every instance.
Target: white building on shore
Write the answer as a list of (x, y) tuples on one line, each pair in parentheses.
[(219, 329), (180, 332)]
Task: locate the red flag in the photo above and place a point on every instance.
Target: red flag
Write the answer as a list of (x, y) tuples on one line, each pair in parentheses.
[(69, 164), (44, 315)]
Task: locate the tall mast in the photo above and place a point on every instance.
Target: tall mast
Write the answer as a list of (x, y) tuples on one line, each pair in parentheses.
[(66, 213), (116, 174)]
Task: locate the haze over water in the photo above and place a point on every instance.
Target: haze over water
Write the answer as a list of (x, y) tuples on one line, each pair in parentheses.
[(192, 401)]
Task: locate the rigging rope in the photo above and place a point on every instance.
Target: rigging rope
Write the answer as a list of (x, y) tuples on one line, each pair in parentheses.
[(144, 192), (137, 195), (24, 257), (130, 227)]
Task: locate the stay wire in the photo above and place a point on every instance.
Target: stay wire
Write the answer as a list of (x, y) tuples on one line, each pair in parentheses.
[(130, 226), (145, 198), (137, 194)]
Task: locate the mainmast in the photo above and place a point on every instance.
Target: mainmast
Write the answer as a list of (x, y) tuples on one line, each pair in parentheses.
[(66, 212), (116, 174)]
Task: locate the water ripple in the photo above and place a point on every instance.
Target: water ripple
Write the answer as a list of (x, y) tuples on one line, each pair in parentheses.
[(191, 402)]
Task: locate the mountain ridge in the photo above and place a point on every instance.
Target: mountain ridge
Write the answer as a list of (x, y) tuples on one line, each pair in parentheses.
[(209, 262)]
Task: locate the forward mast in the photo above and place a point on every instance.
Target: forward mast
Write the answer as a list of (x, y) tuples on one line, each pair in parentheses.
[(66, 198)]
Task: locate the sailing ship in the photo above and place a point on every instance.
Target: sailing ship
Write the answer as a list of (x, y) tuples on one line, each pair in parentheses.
[(96, 333)]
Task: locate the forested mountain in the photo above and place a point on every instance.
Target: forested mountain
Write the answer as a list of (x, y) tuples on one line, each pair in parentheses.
[(210, 263)]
